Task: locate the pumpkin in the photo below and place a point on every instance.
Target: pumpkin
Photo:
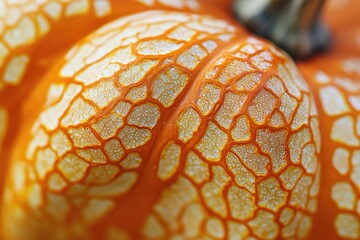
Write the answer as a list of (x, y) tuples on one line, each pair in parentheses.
[(171, 121)]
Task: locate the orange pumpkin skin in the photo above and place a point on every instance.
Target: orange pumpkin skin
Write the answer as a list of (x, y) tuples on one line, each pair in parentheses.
[(24, 60), (334, 78), (192, 134), (191, 181)]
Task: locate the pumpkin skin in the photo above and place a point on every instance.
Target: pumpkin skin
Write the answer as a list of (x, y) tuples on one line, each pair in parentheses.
[(208, 90), (204, 191), (38, 50), (337, 70)]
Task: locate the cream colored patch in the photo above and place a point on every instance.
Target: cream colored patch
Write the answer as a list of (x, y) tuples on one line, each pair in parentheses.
[(343, 131), (276, 85), (308, 158), (101, 174), (15, 69), (212, 191), (347, 226), (113, 150), (297, 141), (271, 196), (54, 93), (45, 160), (241, 131), (144, 115), (50, 117), (262, 60), (190, 58), (174, 199), (102, 93), (233, 69), (187, 124), (231, 106), (355, 173), (157, 47), (355, 102), (302, 114), (261, 106), (102, 7), (57, 206), (305, 227), (56, 182), (96, 208), (344, 195), (288, 105), (322, 78), (182, 33), (72, 167), (105, 68), (290, 176), (333, 101), (83, 137), (215, 228), (53, 9), (42, 24), (60, 143), (237, 230), (264, 225), (24, 33), (252, 159), (243, 177), (286, 215), (212, 143), (156, 29), (40, 139), (34, 195), (119, 186), (299, 195), (132, 137), (77, 7), (192, 219), (153, 228), (137, 94), (136, 73), (274, 144), (241, 202), (168, 85), (249, 82), (169, 161), (288, 81), (79, 112), (92, 155), (133, 160), (209, 96), (276, 120), (196, 169), (108, 126)]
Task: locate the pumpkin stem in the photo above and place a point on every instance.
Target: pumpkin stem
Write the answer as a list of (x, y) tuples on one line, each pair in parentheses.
[(292, 24)]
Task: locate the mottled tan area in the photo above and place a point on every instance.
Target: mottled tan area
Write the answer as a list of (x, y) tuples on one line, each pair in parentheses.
[(221, 134)]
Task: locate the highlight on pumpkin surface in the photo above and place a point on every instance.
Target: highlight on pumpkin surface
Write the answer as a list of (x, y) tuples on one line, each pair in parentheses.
[(170, 119)]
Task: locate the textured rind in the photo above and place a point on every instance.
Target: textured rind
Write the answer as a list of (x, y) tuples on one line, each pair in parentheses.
[(338, 71), (30, 43), (27, 24), (40, 204), (336, 87), (118, 122)]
